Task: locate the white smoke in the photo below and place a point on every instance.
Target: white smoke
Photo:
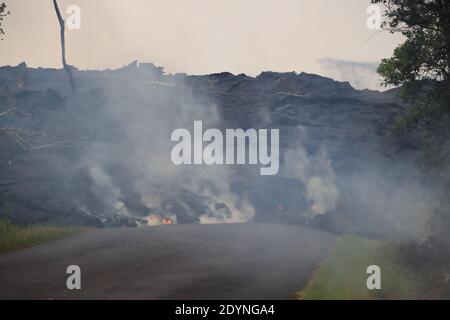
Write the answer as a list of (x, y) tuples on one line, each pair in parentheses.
[(361, 75), (317, 176), (141, 118), (107, 189)]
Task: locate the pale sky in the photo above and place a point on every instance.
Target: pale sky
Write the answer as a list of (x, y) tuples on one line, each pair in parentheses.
[(197, 36)]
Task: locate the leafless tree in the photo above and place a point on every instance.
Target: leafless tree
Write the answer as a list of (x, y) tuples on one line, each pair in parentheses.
[(63, 46)]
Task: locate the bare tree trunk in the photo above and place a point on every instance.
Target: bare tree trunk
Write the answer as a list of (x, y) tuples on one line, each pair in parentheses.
[(63, 46)]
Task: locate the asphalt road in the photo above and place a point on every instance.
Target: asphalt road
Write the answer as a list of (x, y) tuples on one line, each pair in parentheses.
[(238, 261)]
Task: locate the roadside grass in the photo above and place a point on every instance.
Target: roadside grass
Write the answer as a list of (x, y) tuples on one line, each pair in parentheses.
[(13, 237), (342, 275)]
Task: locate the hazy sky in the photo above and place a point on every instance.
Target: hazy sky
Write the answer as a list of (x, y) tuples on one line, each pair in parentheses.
[(198, 36)]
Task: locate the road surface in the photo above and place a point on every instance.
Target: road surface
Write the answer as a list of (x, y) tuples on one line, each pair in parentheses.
[(236, 261)]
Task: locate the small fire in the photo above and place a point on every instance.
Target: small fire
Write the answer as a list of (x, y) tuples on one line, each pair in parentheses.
[(153, 220), (156, 220)]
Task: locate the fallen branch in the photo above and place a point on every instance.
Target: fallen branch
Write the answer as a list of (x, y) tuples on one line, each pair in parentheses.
[(17, 140), (57, 144), (18, 136), (6, 112), (22, 139)]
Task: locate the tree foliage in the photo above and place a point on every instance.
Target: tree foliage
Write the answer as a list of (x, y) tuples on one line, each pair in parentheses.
[(3, 13), (421, 65)]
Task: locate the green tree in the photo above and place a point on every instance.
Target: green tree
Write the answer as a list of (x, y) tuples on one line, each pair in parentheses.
[(421, 65), (3, 14)]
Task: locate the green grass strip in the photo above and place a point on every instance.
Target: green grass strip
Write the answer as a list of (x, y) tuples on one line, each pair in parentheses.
[(342, 275), (13, 237)]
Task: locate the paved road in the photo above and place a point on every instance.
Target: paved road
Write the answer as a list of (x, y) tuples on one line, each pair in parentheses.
[(239, 261)]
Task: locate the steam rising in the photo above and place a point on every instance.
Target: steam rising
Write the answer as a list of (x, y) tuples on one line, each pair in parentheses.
[(361, 75), (130, 155), (317, 175)]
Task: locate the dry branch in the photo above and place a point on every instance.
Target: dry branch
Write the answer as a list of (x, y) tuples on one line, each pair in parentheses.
[(63, 46)]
